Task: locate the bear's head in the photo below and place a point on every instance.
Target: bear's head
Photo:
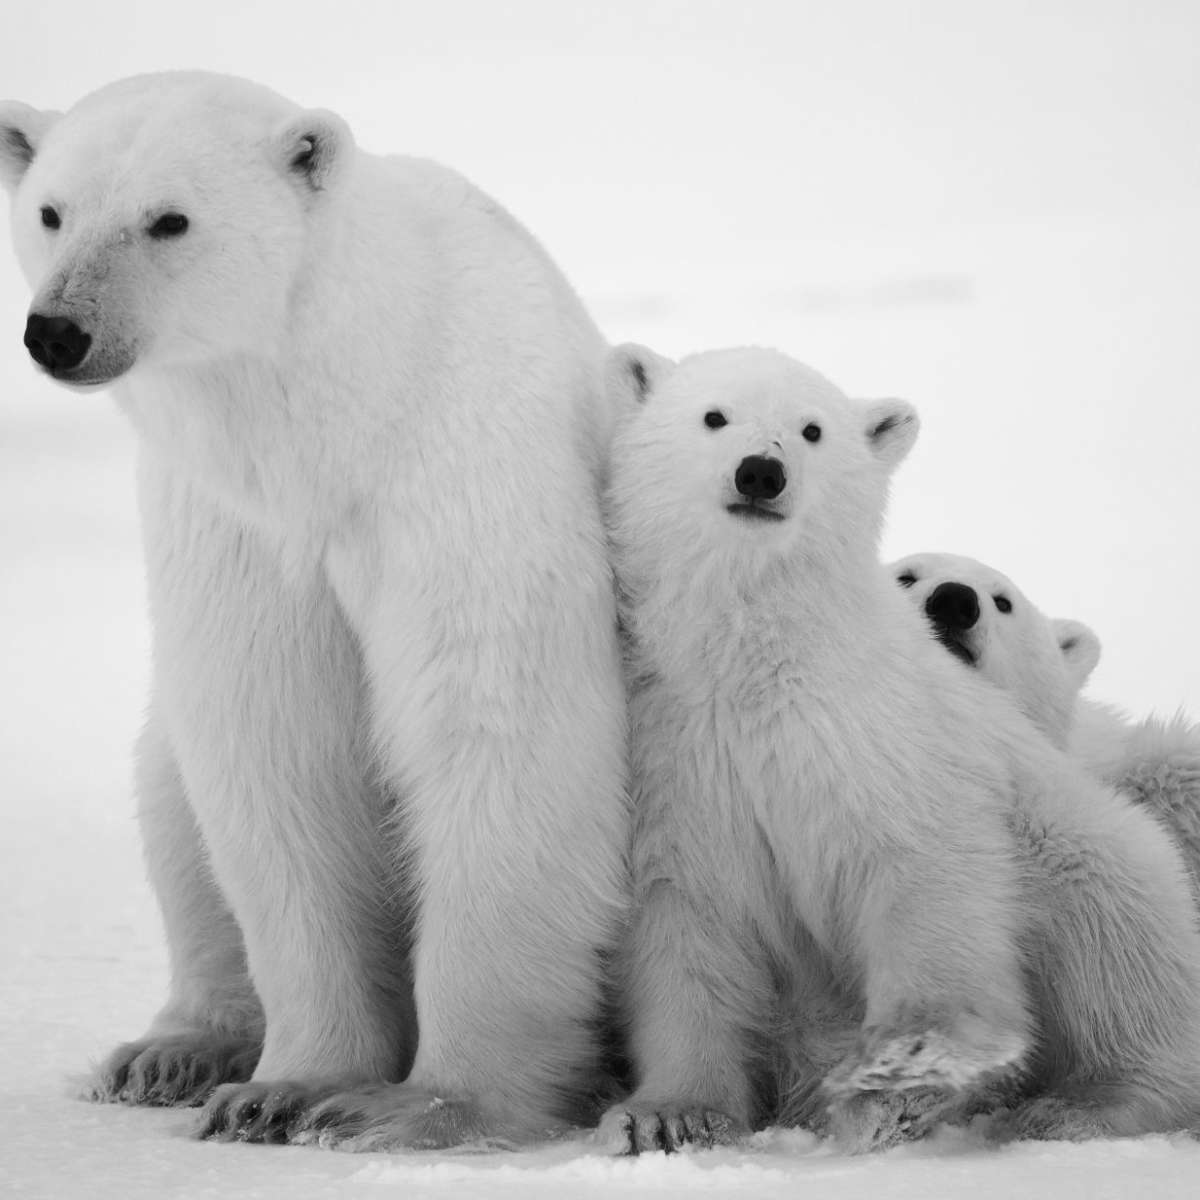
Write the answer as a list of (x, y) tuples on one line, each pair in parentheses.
[(164, 220), (985, 621), (743, 458)]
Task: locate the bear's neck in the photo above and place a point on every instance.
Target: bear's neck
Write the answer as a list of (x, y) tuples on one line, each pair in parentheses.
[(812, 620)]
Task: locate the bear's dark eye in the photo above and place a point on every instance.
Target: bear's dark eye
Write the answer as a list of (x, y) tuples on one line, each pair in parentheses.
[(907, 579), (811, 432), (169, 225), (715, 419), (50, 217), (1003, 603)]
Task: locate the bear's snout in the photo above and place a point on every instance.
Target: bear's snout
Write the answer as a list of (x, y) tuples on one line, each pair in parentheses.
[(55, 343), (953, 606), (760, 478)]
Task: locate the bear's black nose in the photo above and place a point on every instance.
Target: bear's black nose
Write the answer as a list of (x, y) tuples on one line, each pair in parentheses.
[(759, 478), (56, 343), (952, 606)]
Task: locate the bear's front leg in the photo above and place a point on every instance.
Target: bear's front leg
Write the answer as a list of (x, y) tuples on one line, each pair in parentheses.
[(210, 1031), (260, 692), (499, 713), (691, 994)]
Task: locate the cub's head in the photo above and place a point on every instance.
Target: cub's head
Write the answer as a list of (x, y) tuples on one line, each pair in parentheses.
[(745, 456), (163, 220), (986, 622)]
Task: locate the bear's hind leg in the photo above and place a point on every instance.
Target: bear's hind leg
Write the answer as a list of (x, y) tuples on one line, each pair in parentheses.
[(210, 1031)]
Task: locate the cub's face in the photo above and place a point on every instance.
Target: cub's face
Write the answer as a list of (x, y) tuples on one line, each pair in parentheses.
[(988, 624), (749, 454), (161, 221)]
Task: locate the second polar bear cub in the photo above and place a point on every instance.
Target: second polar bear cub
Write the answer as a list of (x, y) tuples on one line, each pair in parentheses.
[(826, 832), (985, 620)]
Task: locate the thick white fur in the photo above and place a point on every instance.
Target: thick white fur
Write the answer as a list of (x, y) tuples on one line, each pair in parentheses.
[(1043, 663), (387, 702), (838, 832)]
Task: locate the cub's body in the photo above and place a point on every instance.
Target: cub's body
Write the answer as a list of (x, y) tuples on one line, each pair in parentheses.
[(846, 851)]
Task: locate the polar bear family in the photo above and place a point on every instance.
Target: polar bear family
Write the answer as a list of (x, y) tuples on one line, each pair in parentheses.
[(384, 784)]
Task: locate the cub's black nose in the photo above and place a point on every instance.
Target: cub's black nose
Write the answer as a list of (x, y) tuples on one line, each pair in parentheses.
[(952, 606), (56, 343), (759, 478)]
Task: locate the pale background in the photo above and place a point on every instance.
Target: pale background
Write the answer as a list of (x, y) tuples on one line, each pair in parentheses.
[(991, 210)]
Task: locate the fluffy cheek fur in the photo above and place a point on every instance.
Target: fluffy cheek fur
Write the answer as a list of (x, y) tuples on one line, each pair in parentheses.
[(225, 286)]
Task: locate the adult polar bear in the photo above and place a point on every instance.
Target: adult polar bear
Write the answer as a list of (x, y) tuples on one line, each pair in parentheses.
[(370, 414)]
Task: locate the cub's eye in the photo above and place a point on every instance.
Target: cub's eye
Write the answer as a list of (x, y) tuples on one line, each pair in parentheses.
[(907, 579), (168, 225), (50, 217), (715, 419), (1003, 603), (812, 433)]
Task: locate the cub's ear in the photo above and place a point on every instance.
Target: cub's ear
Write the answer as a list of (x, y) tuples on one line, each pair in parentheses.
[(21, 132), (315, 148), (892, 427), (633, 372), (1080, 648)]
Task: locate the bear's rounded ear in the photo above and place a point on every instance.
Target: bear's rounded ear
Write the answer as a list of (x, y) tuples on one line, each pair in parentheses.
[(892, 427), (21, 132), (633, 372), (315, 148), (1080, 648)]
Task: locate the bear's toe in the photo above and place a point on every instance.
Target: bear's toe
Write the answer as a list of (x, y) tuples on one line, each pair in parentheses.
[(643, 1129)]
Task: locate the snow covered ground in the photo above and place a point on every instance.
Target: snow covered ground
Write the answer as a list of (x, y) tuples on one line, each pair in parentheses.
[(994, 217)]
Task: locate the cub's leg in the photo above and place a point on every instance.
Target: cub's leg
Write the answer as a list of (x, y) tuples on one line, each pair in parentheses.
[(698, 999), (259, 689), (707, 950), (210, 1030), (935, 916), (1119, 967)]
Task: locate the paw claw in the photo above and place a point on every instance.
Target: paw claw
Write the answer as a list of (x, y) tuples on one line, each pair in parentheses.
[(668, 1128)]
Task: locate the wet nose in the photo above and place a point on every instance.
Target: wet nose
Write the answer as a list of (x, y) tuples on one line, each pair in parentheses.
[(760, 478), (953, 606), (56, 343)]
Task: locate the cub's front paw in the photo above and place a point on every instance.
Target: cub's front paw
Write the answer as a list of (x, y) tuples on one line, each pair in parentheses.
[(946, 1060), (182, 1070), (1051, 1119), (636, 1128)]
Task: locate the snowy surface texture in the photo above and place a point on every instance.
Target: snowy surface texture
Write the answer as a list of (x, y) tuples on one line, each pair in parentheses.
[(989, 210)]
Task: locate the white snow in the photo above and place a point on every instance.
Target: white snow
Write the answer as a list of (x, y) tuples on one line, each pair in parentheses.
[(992, 215)]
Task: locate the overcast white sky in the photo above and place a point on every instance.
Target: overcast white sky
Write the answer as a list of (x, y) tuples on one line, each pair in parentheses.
[(987, 208)]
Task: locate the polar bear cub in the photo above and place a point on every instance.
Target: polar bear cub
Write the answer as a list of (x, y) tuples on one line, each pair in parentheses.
[(988, 623), (833, 822)]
